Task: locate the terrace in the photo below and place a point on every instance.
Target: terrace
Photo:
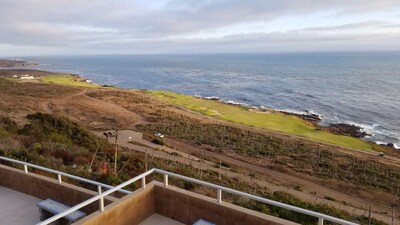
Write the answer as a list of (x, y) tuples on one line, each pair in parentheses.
[(153, 203), (17, 207)]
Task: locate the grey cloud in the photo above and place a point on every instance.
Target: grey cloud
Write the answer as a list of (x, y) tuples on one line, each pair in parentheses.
[(352, 26), (258, 42), (85, 24)]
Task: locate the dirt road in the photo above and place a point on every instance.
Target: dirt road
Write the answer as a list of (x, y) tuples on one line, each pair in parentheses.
[(99, 114), (93, 112), (264, 177)]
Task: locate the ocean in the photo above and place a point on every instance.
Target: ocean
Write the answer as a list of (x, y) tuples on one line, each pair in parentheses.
[(357, 88)]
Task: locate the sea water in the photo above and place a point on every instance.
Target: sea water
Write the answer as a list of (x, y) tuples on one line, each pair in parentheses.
[(356, 88)]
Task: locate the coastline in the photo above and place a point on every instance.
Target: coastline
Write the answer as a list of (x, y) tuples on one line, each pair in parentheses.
[(69, 101), (346, 129), (10, 63), (339, 128)]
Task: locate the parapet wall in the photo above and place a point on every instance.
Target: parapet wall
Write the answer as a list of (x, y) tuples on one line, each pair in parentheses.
[(43, 187), (180, 205), (129, 210), (188, 207)]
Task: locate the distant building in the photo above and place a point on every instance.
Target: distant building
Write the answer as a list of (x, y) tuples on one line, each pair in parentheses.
[(27, 77)]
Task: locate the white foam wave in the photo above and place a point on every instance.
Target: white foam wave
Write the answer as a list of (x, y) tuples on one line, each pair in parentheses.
[(212, 98), (378, 134), (231, 102), (304, 112)]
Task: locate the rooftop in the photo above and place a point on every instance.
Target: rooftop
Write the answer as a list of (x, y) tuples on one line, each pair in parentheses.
[(18, 208)]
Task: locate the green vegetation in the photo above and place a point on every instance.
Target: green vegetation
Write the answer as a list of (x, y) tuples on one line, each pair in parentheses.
[(298, 217), (66, 80), (55, 142), (38, 90), (152, 138), (271, 121), (279, 152), (46, 127), (11, 79), (212, 177), (273, 150)]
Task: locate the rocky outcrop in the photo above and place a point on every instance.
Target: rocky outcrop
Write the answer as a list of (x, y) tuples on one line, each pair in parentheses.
[(311, 117), (347, 129)]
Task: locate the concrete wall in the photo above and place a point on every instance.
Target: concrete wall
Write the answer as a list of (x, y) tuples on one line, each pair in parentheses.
[(43, 187), (177, 204), (129, 210), (188, 207)]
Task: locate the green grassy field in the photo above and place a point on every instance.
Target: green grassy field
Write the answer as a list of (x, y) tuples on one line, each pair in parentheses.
[(66, 80), (271, 121)]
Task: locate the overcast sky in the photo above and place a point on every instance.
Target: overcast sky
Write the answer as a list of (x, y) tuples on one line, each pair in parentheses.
[(58, 27)]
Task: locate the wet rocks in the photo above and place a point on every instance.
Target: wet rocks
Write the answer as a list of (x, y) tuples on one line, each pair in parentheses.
[(347, 129), (311, 117)]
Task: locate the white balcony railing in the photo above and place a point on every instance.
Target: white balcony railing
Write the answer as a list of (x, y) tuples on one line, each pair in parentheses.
[(219, 189)]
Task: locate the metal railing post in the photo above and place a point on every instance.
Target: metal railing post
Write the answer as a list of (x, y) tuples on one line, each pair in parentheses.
[(144, 182), (101, 200), (165, 180), (59, 178), (27, 165), (26, 168), (94, 198), (321, 217), (219, 195)]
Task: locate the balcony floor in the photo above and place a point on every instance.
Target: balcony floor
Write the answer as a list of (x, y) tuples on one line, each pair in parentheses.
[(157, 219), (18, 208)]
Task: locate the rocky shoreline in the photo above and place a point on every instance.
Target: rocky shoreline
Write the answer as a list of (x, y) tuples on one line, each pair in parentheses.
[(338, 128), (315, 119), (347, 129), (335, 128), (309, 117)]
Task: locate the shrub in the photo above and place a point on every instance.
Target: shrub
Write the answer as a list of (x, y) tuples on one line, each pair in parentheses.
[(8, 125), (47, 127), (81, 160), (37, 146), (158, 141)]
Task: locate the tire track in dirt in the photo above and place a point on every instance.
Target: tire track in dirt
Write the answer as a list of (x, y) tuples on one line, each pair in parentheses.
[(80, 105), (263, 178), (83, 108), (308, 186)]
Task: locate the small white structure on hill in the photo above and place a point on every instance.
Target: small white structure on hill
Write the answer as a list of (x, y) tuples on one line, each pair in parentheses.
[(27, 77), (160, 135)]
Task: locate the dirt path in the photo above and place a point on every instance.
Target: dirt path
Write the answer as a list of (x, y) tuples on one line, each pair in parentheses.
[(264, 177), (93, 112), (284, 178), (46, 105), (98, 113)]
